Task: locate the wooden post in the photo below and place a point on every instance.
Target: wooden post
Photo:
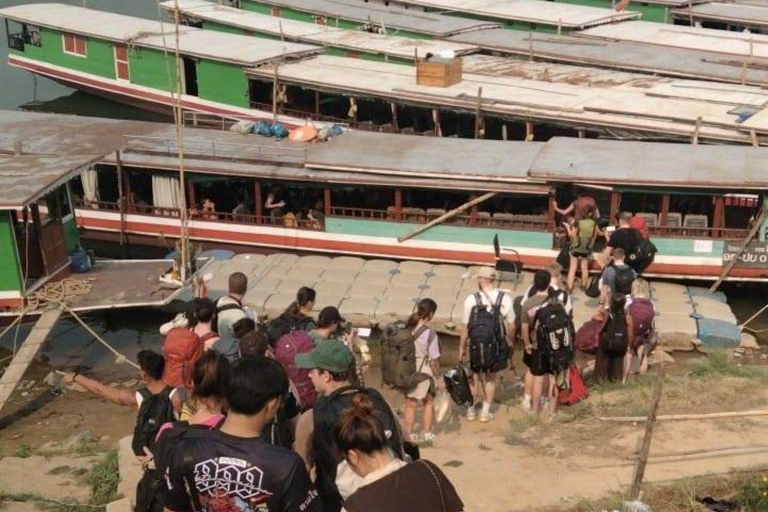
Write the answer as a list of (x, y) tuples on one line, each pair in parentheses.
[(690, 12), (275, 92), (582, 133), (504, 131), (696, 130), (742, 248), (436, 121), (718, 216), (551, 207), (395, 125), (258, 207), (317, 104), (753, 136), (398, 204), (473, 211), (477, 112), (530, 45), (327, 201), (37, 229), (191, 193), (529, 131), (637, 481), (121, 200), (447, 216), (615, 202), (664, 213)]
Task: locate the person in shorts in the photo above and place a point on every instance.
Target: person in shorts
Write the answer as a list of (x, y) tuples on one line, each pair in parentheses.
[(534, 358)]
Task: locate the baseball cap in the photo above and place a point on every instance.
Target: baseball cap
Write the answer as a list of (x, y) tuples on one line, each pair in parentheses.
[(329, 315), (487, 273), (330, 355)]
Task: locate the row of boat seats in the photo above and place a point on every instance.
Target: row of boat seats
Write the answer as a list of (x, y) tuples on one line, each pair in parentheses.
[(675, 220)]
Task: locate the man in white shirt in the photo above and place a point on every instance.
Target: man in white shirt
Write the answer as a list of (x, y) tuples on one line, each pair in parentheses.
[(484, 373)]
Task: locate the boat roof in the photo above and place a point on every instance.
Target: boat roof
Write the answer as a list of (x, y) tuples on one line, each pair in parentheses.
[(668, 106), (315, 34), (565, 15), (390, 154), (678, 36), (620, 55), (25, 178), (651, 164), (731, 12), (89, 22), (393, 18)]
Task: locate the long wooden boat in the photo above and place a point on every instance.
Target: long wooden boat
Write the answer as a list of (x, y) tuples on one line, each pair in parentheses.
[(235, 76), (736, 16)]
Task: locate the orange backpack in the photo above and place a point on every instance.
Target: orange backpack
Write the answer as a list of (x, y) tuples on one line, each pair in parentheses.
[(182, 349)]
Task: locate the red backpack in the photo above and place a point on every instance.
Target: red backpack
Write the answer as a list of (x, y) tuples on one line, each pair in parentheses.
[(588, 335), (639, 224), (576, 391), (182, 349), (642, 313), (286, 349)]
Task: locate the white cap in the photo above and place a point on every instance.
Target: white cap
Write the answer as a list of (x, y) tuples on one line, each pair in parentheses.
[(180, 320)]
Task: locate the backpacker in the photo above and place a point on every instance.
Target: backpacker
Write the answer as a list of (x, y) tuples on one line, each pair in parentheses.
[(642, 312), (615, 337), (622, 280), (289, 345), (228, 347), (643, 255), (182, 349), (457, 384), (487, 344), (283, 324), (398, 356), (554, 333), (154, 412), (588, 336), (326, 411), (585, 235), (576, 390)]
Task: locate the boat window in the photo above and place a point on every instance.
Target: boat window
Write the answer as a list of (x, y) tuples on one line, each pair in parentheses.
[(55, 205), (367, 202), (74, 44), (21, 34), (190, 76)]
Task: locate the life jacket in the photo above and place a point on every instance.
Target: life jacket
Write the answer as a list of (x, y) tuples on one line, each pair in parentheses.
[(182, 348)]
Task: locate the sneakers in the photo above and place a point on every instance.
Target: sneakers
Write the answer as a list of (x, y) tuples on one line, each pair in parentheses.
[(429, 438), (442, 406), (471, 414), (485, 417), (526, 403), (416, 438)]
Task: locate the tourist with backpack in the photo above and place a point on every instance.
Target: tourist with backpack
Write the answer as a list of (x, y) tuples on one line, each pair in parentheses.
[(157, 403), (232, 467), (230, 309), (387, 482), (181, 348), (624, 237), (426, 368), (330, 367), (581, 236), (617, 278), (614, 354), (485, 339), (296, 317), (583, 207), (329, 327), (642, 311)]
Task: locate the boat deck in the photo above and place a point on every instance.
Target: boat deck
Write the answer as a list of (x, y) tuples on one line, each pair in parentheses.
[(733, 13), (618, 55), (310, 33), (375, 292)]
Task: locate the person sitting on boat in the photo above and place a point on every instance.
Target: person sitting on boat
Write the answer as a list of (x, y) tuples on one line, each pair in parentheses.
[(241, 211), (208, 209), (584, 207), (273, 206)]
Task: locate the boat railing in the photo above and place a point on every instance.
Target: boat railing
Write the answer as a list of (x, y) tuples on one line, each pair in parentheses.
[(698, 232), (203, 120), (167, 146)]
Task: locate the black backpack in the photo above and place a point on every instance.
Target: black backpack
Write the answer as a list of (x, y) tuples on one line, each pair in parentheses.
[(615, 336), (155, 411), (278, 432), (285, 323), (487, 342), (622, 280), (326, 412), (555, 334), (643, 255)]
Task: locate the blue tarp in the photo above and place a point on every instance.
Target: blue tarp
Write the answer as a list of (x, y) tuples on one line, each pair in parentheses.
[(697, 291), (717, 333)]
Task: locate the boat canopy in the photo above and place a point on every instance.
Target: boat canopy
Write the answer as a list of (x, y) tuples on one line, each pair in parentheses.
[(557, 14), (731, 12), (392, 18), (650, 164), (141, 32), (311, 33)]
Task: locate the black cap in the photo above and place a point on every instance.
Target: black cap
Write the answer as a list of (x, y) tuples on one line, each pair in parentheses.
[(329, 315)]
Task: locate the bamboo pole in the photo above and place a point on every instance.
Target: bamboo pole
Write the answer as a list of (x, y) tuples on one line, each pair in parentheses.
[(447, 216), (183, 239), (477, 112), (683, 417), (634, 493), (742, 248), (123, 199), (275, 93)]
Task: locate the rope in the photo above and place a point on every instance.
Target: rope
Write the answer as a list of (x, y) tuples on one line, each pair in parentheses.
[(120, 358), (10, 326)]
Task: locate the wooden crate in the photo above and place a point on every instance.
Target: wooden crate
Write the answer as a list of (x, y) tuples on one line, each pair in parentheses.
[(438, 72)]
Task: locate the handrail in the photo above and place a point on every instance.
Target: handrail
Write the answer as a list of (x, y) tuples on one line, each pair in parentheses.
[(209, 148)]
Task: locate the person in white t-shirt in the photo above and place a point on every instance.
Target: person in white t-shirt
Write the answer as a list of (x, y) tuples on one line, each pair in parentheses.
[(487, 295)]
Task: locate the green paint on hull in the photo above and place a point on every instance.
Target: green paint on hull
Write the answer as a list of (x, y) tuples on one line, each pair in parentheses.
[(222, 82), (223, 27), (71, 234), (452, 234), (99, 59), (148, 68), (651, 12), (10, 276), (684, 247)]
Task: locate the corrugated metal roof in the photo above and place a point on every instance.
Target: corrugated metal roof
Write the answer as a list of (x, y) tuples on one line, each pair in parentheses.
[(101, 24), (393, 18), (651, 164), (678, 36), (425, 156), (311, 33), (751, 15), (629, 56), (530, 11), (220, 46), (24, 178)]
